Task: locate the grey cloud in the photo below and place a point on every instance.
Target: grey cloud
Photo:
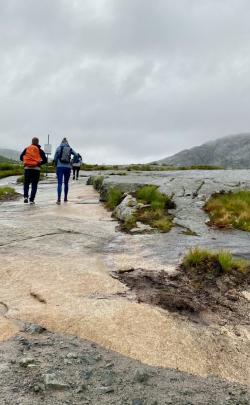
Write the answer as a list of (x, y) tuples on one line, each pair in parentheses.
[(126, 80)]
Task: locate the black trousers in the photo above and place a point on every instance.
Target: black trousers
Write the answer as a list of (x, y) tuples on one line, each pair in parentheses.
[(31, 177), (76, 171)]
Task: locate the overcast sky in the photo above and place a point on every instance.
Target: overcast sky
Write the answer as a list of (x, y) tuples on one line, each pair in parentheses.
[(124, 80)]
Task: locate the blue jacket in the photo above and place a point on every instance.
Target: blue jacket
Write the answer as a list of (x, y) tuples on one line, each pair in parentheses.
[(57, 154)]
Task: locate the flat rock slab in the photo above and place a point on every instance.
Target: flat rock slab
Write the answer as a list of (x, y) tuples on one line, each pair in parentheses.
[(55, 272)]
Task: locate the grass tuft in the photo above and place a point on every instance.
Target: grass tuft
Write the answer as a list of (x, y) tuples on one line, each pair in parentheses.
[(7, 193), (97, 182), (230, 210), (114, 197), (221, 262)]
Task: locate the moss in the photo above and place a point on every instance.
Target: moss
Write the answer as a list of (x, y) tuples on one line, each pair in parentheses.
[(230, 210)]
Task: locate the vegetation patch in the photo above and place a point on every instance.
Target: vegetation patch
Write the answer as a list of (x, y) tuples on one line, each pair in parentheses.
[(114, 197), (9, 169), (154, 210), (230, 210), (145, 167), (8, 193), (207, 287)]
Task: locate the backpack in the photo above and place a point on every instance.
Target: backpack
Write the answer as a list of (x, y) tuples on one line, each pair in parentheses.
[(32, 157), (76, 159), (65, 154)]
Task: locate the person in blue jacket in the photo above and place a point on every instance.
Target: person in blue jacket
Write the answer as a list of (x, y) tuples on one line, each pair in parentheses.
[(62, 160)]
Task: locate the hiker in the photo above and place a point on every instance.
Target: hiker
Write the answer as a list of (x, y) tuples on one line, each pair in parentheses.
[(33, 157), (62, 160), (76, 165)]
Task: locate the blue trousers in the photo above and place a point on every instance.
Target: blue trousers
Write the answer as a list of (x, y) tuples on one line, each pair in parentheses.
[(63, 175)]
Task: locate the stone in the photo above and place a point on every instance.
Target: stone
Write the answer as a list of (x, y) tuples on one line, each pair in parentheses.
[(126, 208), (137, 402), (105, 390), (141, 376), (72, 356), (51, 381), (87, 374), (82, 388), (34, 329), (141, 228), (27, 362)]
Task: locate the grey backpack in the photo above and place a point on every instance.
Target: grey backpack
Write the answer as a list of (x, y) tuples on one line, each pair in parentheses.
[(65, 154)]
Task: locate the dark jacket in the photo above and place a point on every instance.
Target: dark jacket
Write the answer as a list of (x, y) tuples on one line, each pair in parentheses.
[(42, 154)]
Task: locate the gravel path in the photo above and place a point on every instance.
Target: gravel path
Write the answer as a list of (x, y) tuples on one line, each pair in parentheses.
[(38, 367)]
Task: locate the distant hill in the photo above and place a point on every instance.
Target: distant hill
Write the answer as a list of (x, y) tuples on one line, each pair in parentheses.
[(4, 159), (230, 152), (10, 154)]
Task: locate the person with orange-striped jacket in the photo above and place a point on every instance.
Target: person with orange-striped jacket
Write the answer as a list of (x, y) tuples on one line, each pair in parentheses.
[(33, 157)]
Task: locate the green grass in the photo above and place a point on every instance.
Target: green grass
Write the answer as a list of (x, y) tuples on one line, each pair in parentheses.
[(9, 169), (7, 193), (114, 197), (97, 182), (129, 224), (151, 195), (222, 261), (230, 210), (156, 215), (145, 167)]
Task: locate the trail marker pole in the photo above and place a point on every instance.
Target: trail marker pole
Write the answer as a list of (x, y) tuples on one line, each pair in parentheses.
[(47, 151)]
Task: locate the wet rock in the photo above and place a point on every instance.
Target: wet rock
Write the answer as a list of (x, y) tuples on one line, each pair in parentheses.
[(126, 208), (51, 381)]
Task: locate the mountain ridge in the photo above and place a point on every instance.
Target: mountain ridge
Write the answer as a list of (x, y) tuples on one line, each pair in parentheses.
[(10, 154), (230, 152)]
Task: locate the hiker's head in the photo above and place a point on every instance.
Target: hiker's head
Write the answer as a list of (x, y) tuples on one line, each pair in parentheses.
[(65, 141), (35, 141)]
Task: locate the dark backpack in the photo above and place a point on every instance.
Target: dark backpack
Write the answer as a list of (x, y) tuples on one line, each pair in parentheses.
[(76, 159), (65, 154)]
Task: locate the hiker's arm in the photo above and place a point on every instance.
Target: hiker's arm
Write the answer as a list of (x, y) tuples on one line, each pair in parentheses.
[(74, 153), (56, 157), (43, 157), (22, 155)]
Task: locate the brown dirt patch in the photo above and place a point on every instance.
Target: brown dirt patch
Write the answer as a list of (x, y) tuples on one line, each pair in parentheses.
[(201, 296)]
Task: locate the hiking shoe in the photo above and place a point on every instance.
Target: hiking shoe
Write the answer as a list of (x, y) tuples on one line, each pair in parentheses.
[(26, 201), (65, 200), (32, 202), (58, 202)]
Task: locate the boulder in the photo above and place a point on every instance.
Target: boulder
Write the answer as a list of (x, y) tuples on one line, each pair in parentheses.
[(126, 208)]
